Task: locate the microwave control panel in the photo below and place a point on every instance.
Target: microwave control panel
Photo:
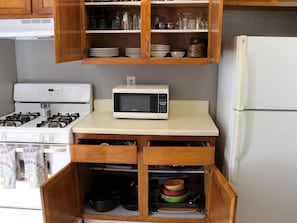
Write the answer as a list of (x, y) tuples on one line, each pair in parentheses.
[(163, 103)]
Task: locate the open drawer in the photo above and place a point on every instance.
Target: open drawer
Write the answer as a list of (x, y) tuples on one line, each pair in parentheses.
[(97, 151), (179, 153)]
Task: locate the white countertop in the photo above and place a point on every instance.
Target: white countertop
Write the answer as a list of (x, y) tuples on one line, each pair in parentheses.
[(186, 118)]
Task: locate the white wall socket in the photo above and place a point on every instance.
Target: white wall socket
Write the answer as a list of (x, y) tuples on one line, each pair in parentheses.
[(131, 80)]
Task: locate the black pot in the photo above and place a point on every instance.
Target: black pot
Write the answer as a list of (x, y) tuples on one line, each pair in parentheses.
[(103, 205), (104, 194), (129, 199)]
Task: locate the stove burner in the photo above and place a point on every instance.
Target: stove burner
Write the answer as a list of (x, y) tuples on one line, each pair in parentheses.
[(18, 119), (58, 120), (10, 123)]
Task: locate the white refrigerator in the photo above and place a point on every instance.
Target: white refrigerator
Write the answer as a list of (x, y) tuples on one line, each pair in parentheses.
[(257, 118)]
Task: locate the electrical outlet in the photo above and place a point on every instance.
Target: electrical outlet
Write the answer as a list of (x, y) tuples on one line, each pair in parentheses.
[(131, 80)]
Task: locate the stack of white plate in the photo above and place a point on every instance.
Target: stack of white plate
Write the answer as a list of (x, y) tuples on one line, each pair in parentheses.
[(132, 52), (104, 52), (159, 50)]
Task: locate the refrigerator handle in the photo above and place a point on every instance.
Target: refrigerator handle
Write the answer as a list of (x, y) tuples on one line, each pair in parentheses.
[(238, 129), (242, 71)]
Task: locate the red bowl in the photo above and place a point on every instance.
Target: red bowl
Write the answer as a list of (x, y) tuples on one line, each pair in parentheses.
[(173, 193)]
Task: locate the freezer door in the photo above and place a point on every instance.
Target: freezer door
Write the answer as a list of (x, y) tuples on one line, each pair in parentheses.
[(267, 174), (265, 73)]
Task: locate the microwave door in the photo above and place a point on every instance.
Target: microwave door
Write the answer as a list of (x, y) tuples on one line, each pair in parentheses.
[(144, 103), (140, 105)]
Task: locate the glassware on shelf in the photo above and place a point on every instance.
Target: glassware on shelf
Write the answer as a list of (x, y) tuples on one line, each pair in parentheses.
[(203, 21), (116, 21), (191, 24), (179, 23), (185, 20), (93, 19), (204, 24), (135, 22), (125, 21), (102, 22), (198, 21)]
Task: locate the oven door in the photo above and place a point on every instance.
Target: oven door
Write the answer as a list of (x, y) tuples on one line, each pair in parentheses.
[(13, 215), (23, 195)]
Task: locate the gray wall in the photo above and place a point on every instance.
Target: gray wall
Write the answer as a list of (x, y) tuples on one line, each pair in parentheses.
[(267, 22), (8, 75), (186, 82), (35, 61)]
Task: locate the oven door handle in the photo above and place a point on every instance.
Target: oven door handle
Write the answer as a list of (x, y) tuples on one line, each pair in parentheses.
[(55, 149)]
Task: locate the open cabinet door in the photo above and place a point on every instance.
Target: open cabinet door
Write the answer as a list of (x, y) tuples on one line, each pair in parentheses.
[(60, 197), (215, 29), (223, 199), (68, 30)]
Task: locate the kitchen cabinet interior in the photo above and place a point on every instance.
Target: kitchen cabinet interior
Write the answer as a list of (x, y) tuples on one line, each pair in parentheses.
[(26, 9), (146, 159), (83, 26), (262, 3)]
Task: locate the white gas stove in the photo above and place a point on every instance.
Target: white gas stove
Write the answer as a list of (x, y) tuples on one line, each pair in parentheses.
[(45, 113), (42, 121)]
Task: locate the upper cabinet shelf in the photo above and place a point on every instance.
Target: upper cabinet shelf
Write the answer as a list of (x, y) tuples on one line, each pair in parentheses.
[(179, 30), (105, 32), (102, 3), (112, 31), (177, 2)]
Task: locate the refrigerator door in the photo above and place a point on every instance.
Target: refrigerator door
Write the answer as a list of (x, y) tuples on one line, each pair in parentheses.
[(267, 178), (264, 73)]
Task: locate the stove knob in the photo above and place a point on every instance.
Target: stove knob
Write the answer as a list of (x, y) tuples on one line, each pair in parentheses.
[(3, 136), (41, 138), (51, 138)]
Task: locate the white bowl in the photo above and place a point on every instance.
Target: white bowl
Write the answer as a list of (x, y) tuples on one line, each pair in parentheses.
[(159, 53), (177, 54)]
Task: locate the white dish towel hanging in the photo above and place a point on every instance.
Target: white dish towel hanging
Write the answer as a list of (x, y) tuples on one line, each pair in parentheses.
[(7, 167), (35, 167)]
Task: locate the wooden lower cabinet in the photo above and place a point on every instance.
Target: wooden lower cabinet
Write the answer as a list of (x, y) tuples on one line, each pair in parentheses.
[(146, 161)]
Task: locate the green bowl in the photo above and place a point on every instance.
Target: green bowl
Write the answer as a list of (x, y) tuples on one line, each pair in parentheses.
[(174, 199)]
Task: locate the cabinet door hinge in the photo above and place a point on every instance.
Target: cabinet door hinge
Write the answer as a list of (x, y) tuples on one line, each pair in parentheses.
[(85, 52)]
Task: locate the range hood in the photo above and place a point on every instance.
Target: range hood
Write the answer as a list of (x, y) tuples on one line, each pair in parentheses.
[(41, 28)]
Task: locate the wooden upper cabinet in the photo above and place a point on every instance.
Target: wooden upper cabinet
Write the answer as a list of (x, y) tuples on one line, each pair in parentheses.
[(68, 30), (26, 9), (79, 34), (272, 3), (215, 30), (43, 7), (17, 7)]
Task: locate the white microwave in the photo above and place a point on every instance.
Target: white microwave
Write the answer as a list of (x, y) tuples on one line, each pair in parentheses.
[(141, 101)]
